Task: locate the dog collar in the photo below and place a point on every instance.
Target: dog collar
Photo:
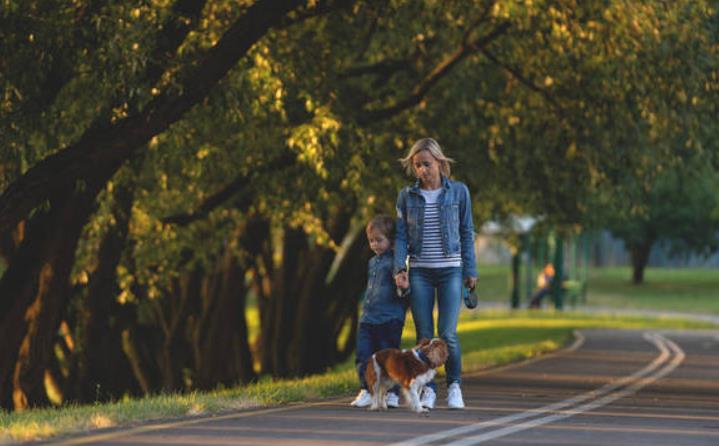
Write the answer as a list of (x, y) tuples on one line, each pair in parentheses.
[(421, 356)]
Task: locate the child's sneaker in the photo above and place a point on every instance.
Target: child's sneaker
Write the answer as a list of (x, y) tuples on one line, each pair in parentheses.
[(363, 399), (392, 399), (454, 397), (428, 398)]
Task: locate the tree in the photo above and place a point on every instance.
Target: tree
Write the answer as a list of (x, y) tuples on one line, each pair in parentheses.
[(680, 206), (91, 158), (256, 143)]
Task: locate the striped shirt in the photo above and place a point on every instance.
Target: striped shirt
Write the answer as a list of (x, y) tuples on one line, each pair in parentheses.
[(432, 255)]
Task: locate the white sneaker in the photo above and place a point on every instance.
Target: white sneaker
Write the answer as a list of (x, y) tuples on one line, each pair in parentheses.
[(428, 398), (392, 399), (454, 397), (363, 399)]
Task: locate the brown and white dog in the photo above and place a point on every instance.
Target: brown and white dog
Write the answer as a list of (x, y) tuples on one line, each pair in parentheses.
[(411, 369)]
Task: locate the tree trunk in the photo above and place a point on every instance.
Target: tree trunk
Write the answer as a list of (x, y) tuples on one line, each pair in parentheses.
[(143, 340), (311, 346), (101, 370), (345, 290), (129, 348), (10, 241), (639, 253), (220, 339), (322, 313), (280, 314), (33, 294), (172, 312), (556, 286), (308, 309), (516, 276)]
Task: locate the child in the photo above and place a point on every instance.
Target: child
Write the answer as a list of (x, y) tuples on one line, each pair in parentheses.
[(383, 311)]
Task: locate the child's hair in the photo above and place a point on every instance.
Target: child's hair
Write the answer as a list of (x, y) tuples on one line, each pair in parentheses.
[(384, 224)]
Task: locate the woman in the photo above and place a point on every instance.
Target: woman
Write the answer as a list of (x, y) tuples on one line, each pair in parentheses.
[(435, 229)]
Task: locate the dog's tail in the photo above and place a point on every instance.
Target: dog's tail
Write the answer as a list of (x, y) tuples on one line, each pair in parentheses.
[(372, 374)]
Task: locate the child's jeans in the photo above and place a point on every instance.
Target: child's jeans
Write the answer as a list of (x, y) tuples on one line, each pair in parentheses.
[(372, 338)]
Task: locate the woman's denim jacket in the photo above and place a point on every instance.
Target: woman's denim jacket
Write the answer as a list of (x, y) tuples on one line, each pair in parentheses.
[(455, 224), (381, 303)]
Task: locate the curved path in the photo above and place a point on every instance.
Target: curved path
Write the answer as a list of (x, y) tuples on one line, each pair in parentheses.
[(613, 387)]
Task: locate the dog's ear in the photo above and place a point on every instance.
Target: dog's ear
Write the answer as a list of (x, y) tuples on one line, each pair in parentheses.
[(423, 342), (440, 341), (438, 353)]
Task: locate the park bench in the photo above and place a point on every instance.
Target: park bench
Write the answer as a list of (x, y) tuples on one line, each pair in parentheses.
[(574, 292)]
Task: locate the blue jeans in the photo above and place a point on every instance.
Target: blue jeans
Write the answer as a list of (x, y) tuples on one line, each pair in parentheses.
[(447, 283), (372, 338)]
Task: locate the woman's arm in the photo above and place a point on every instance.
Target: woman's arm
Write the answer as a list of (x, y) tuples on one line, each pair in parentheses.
[(400, 243), (466, 238)]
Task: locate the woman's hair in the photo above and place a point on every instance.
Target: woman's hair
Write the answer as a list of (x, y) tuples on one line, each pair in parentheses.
[(384, 224), (433, 147)]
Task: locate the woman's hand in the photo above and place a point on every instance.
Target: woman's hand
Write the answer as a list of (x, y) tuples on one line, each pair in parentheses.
[(470, 282), (401, 279)]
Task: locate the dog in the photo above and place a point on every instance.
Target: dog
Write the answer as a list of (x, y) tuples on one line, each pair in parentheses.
[(411, 369)]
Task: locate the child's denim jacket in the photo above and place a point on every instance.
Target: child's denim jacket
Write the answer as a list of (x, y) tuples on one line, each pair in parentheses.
[(455, 223), (381, 303)]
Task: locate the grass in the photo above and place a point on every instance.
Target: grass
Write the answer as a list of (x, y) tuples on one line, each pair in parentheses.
[(672, 289), (669, 289), (494, 283), (489, 338)]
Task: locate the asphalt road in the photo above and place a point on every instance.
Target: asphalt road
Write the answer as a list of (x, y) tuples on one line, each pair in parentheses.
[(613, 388)]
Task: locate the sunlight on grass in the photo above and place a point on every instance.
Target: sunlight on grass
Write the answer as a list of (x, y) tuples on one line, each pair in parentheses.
[(481, 359), (488, 338)]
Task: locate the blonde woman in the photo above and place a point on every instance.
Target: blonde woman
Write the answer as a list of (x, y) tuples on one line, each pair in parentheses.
[(435, 230)]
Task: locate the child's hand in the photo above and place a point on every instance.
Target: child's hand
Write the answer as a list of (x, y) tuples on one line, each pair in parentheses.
[(401, 280)]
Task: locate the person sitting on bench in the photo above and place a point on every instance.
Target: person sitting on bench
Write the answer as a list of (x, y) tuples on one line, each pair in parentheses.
[(544, 285)]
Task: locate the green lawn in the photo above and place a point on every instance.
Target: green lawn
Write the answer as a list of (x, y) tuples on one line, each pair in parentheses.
[(676, 289), (488, 338), (493, 284), (672, 289)]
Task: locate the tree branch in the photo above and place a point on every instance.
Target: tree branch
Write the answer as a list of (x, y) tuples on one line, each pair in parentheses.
[(320, 9), (108, 146), (232, 189), (383, 68), (527, 82), (482, 17), (439, 72), (186, 13)]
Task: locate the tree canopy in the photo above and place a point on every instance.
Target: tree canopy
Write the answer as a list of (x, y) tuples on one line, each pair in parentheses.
[(162, 163)]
